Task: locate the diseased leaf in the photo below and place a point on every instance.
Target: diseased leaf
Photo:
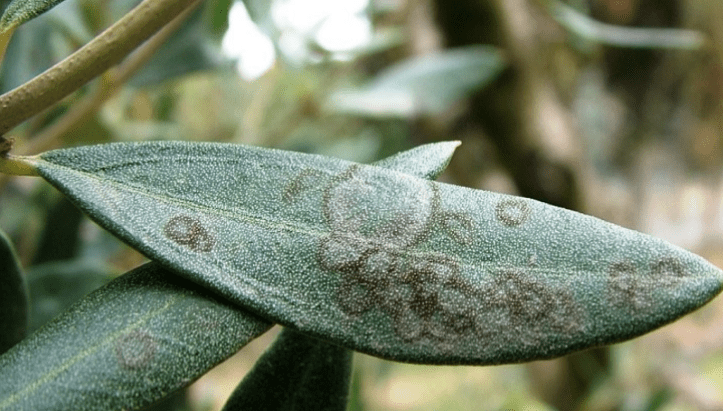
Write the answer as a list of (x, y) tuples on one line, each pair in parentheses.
[(21, 11), (428, 84), (13, 297), (380, 261), (125, 346), (296, 373)]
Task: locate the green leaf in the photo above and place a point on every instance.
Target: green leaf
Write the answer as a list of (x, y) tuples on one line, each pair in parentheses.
[(379, 261), (187, 51), (296, 373), (215, 16), (21, 11), (124, 346), (28, 54), (13, 297), (427, 161), (428, 84), (55, 286), (60, 239)]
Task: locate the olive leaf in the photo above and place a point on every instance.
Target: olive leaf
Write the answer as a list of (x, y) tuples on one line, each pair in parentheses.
[(124, 346), (427, 161), (377, 260), (13, 297), (423, 85), (21, 11), (296, 373)]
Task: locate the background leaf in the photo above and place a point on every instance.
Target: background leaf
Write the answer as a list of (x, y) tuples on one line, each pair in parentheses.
[(55, 286), (42, 42), (296, 373), (216, 16), (142, 336), (21, 11), (13, 297), (379, 261), (60, 239), (188, 50), (427, 161), (423, 85)]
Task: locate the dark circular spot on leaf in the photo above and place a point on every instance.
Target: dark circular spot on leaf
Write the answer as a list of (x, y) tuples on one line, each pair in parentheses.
[(512, 211), (135, 349), (188, 231)]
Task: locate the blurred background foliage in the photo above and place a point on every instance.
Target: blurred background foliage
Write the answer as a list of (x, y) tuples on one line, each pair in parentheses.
[(562, 102)]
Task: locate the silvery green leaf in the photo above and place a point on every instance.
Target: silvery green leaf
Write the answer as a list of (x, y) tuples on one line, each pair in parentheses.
[(427, 161), (380, 261), (13, 297), (20, 11), (124, 346), (429, 84), (296, 373)]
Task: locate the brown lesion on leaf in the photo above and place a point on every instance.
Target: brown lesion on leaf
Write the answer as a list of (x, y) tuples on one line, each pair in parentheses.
[(190, 232), (343, 253), (425, 294), (528, 303), (308, 179), (135, 349), (625, 286), (366, 270), (512, 212), (459, 226)]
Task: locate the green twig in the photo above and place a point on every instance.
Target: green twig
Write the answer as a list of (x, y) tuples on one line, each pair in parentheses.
[(101, 53), (109, 84)]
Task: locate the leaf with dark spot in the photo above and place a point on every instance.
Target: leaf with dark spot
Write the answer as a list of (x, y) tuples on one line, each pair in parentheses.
[(124, 346), (379, 260)]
